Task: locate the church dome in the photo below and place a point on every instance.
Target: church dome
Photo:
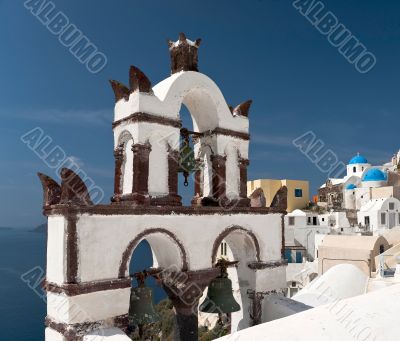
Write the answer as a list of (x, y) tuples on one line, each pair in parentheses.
[(374, 174), (358, 159), (351, 186)]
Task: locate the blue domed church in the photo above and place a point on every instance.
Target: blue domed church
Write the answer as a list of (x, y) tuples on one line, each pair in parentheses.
[(362, 182)]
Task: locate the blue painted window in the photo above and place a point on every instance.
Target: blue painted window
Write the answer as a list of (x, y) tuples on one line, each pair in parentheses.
[(288, 256), (298, 193), (299, 257)]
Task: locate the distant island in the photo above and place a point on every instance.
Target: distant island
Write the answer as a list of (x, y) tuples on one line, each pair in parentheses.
[(41, 228)]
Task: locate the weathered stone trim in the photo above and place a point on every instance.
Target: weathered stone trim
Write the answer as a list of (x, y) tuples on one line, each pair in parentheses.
[(229, 132), (132, 245), (76, 331), (266, 265), (227, 232), (71, 249), (125, 208), (167, 200), (87, 287), (145, 117)]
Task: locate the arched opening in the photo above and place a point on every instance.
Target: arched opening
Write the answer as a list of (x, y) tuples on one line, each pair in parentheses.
[(159, 249), (125, 142), (236, 244), (186, 189)]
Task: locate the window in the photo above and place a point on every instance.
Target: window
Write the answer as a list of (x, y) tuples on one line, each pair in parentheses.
[(323, 219), (223, 249), (309, 220), (341, 229), (288, 256), (391, 206), (381, 248), (291, 221), (298, 193), (354, 169), (314, 220), (362, 168), (383, 218), (366, 221), (299, 257)]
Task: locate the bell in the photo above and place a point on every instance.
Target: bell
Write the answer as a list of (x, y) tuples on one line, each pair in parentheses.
[(141, 308), (187, 162), (220, 297)]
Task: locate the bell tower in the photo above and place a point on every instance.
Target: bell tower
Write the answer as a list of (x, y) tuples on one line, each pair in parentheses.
[(148, 137)]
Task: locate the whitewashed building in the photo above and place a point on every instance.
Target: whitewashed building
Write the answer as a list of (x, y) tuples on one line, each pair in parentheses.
[(379, 215)]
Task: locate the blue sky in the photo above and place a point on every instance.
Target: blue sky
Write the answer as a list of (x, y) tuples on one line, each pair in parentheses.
[(259, 49)]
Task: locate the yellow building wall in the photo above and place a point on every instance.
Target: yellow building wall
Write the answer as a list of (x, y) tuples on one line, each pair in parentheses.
[(271, 186), (295, 203)]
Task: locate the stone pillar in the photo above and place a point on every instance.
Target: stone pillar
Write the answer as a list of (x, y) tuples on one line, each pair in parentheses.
[(219, 176), (184, 289), (243, 201), (198, 190), (119, 160), (140, 186)]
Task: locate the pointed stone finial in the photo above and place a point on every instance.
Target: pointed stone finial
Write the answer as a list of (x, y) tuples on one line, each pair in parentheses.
[(242, 109), (73, 189), (120, 90), (280, 199), (138, 81), (257, 198), (184, 54), (51, 190)]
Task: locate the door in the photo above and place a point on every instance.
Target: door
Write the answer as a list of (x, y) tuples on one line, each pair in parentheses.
[(392, 220)]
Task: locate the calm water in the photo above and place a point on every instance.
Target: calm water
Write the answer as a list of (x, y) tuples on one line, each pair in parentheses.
[(22, 310)]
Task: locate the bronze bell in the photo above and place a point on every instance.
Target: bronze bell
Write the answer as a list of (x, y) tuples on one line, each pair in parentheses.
[(141, 307), (187, 162), (220, 294)]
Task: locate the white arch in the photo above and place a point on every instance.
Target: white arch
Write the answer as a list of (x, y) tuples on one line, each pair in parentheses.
[(202, 97)]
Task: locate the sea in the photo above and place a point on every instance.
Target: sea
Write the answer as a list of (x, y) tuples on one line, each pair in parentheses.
[(22, 266)]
